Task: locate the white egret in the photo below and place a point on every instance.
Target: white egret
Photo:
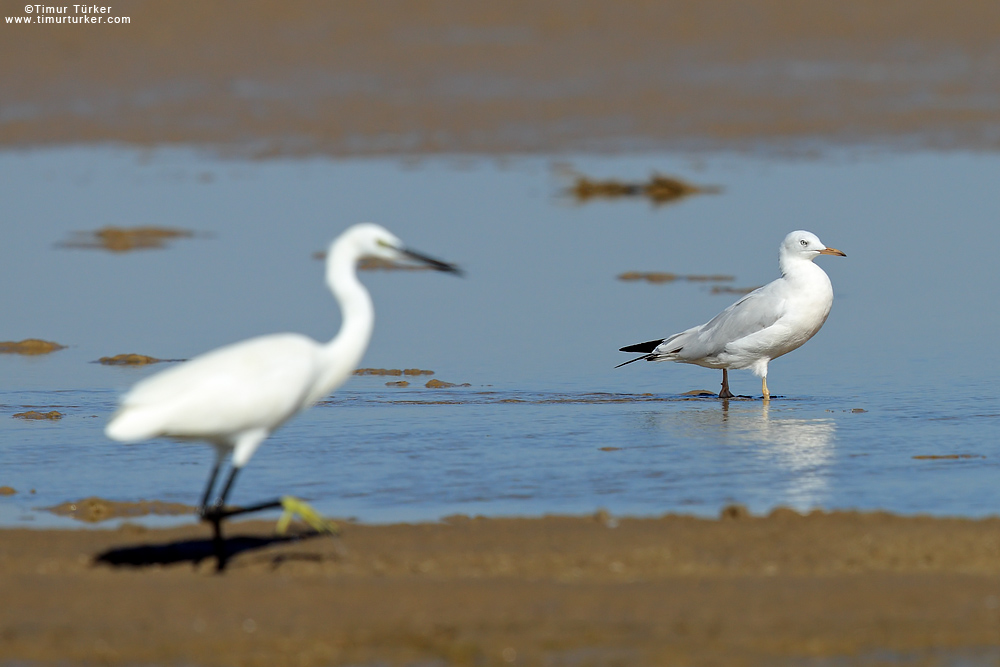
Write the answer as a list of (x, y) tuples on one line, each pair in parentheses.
[(234, 397), (768, 322)]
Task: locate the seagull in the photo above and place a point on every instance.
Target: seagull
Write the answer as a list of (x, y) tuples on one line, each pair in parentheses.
[(768, 322), (234, 397)]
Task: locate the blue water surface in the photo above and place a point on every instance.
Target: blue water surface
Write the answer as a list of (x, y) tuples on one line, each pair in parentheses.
[(904, 368)]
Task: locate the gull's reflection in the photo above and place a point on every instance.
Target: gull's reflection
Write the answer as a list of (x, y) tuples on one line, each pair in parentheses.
[(792, 455), (803, 447)]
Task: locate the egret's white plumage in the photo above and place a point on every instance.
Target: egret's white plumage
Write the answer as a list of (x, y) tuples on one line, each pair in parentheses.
[(235, 396), (231, 397), (765, 324)]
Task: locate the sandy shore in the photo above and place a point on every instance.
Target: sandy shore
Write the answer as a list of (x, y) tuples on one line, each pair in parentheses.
[(470, 591), (431, 76)]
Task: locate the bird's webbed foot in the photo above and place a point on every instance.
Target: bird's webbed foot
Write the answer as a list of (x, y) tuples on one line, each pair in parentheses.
[(293, 506)]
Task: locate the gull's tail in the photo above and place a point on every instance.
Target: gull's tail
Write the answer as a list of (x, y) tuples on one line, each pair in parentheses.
[(646, 347)]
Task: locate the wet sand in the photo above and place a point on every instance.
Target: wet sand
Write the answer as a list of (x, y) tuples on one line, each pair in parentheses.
[(470, 591), (475, 76)]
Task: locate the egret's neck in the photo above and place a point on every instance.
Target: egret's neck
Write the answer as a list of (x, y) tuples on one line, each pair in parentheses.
[(344, 352)]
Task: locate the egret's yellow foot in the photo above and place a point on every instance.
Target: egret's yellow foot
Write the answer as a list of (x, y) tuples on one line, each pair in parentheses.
[(293, 506), (763, 384)]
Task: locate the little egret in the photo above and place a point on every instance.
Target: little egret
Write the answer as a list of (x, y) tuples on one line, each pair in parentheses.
[(234, 397), (768, 322)]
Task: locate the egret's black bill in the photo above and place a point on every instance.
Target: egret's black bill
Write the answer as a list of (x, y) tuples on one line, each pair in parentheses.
[(435, 264)]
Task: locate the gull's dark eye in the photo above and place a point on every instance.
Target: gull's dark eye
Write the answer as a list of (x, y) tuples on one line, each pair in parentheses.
[(804, 242)]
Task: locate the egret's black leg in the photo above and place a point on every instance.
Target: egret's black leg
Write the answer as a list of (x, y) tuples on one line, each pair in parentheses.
[(213, 516), (221, 502), (215, 513), (725, 393), (210, 486), (218, 512)]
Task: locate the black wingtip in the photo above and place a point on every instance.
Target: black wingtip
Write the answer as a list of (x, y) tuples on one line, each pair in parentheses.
[(646, 347)]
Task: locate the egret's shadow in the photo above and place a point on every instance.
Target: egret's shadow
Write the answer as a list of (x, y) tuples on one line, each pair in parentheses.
[(192, 551)]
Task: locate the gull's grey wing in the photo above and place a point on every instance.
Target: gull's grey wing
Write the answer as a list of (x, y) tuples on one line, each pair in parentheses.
[(757, 310)]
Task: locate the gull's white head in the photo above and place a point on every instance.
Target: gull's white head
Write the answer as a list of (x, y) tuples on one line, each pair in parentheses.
[(805, 245)]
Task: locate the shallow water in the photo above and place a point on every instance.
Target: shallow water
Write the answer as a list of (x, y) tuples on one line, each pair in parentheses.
[(903, 368)]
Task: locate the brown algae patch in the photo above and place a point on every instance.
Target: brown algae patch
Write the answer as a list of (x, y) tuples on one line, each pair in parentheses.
[(948, 457), (34, 414), (725, 289), (29, 346), (93, 509), (649, 276), (126, 239), (399, 383), (440, 384), (7, 490), (656, 277), (392, 371), (488, 398), (130, 360), (659, 189)]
